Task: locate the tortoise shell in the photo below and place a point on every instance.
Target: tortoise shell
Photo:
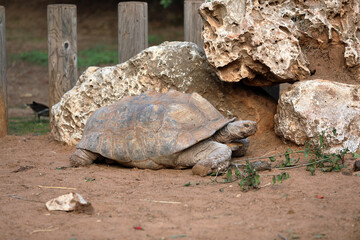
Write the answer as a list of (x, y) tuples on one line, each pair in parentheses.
[(150, 125)]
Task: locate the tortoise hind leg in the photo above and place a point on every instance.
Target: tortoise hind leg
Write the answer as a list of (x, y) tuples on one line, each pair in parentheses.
[(82, 157), (206, 157)]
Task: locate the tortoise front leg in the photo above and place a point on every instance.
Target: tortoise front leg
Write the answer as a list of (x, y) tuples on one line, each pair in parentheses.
[(206, 157), (82, 157), (239, 147)]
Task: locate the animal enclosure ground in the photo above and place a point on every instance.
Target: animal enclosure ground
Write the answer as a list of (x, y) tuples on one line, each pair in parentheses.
[(161, 204), (157, 201)]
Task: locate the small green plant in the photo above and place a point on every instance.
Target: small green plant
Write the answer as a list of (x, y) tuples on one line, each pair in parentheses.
[(289, 161), (318, 158), (280, 177), (88, 179), (315, 151), (249, 178)]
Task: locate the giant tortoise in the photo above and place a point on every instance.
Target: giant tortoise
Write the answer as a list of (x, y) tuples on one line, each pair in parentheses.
[(161, 130)]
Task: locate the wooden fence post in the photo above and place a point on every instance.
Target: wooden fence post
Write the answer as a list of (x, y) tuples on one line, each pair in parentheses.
[(132, 29), (192, 22), (3, 82), (62, 50)]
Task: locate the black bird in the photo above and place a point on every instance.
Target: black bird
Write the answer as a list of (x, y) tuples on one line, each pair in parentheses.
[(39, 109)]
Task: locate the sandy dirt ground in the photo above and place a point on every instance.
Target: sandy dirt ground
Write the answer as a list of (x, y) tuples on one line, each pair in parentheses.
[(161, 204), (324, 206)]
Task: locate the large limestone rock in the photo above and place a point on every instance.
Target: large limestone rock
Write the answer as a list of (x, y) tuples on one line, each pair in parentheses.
[(172, 65), (309, 107), (274, 41)]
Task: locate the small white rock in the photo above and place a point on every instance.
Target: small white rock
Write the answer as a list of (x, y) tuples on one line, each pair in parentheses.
[(69, 202)]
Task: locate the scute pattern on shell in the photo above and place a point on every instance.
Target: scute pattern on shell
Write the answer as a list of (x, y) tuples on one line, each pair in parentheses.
[(150, 125)]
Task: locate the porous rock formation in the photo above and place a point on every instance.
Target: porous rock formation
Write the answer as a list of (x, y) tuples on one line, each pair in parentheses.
[(308, 108), (262, 42), (172, 65)]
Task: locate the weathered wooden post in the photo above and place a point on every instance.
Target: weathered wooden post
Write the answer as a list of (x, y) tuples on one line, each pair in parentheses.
[(192, 22), (132, 29), (3, 82), (62, 50)]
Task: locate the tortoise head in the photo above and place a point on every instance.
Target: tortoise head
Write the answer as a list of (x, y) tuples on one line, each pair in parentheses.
[(235, 130), (242, 129)]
